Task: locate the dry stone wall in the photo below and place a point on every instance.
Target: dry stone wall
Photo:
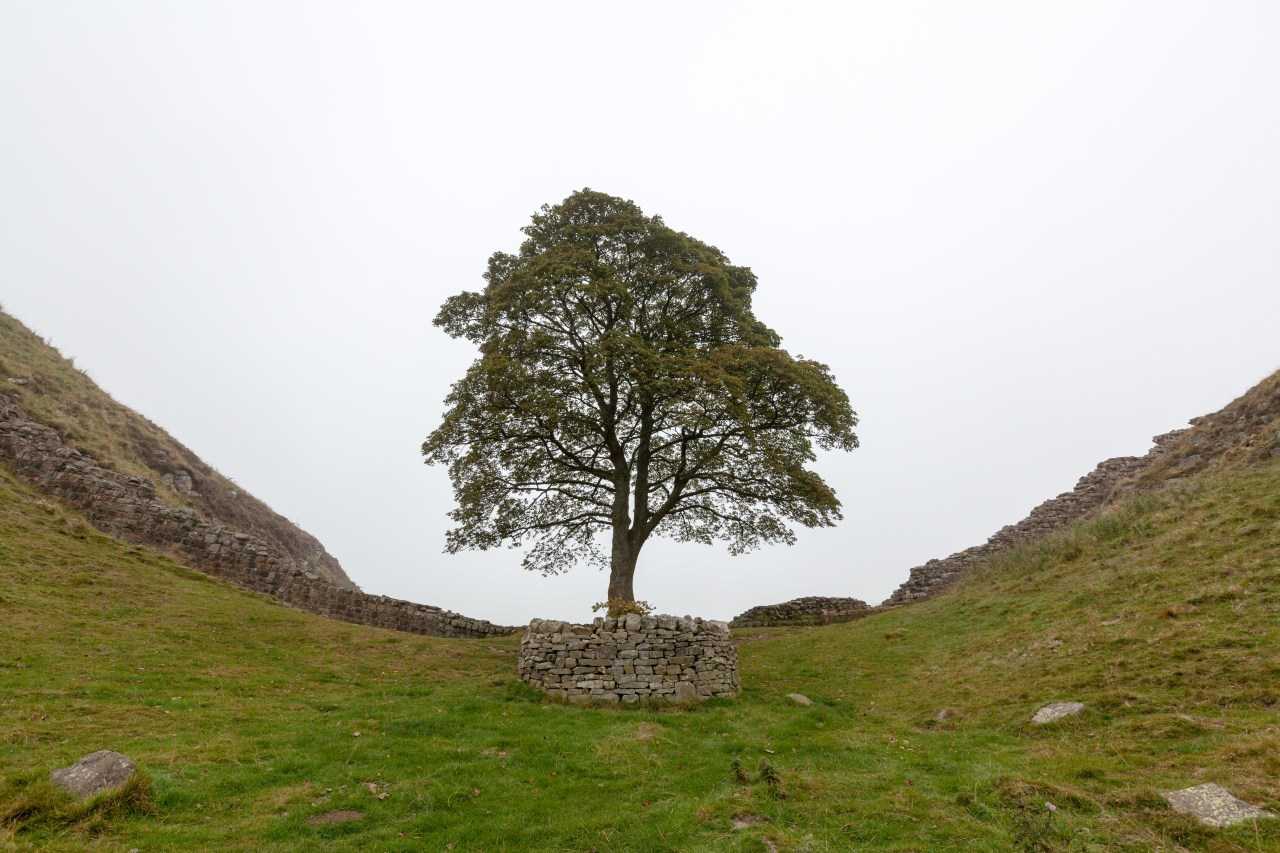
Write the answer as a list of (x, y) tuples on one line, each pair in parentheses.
[(127, 507), (810, 610), (1090, 493), (1247, 431), (630, 659)]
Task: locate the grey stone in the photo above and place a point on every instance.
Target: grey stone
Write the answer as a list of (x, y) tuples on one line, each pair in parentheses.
[(99, 771), (800, 699), (686, 692), (1056, 711), (810, 610), (1213, 805), (629, 665)]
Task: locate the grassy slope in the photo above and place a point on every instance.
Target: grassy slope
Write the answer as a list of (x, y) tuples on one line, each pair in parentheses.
[(1163, 617), (57, 393)]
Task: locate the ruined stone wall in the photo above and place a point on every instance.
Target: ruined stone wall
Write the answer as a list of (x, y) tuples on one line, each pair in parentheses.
[(1245, 431), (1090, 493), (127, 507), (629, 659), (810, 610)]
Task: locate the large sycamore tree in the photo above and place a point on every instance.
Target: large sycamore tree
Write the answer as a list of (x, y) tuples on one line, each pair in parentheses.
[(625, 389)]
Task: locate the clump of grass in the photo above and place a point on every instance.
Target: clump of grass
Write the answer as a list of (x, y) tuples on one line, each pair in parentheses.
[(31, 803), (771, 777)]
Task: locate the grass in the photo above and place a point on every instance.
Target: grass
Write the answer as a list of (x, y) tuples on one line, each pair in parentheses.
[(251, 720)]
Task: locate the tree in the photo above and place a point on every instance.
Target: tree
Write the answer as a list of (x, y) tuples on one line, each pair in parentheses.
[(624, 386)]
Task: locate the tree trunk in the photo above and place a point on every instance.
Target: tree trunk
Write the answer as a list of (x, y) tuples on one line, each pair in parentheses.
[(622, 568)]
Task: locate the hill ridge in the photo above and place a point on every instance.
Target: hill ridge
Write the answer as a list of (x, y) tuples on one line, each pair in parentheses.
[(127, 507), (1247, 428), (54, 392)]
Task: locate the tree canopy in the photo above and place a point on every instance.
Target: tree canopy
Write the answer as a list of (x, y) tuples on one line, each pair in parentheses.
[(624, 386)]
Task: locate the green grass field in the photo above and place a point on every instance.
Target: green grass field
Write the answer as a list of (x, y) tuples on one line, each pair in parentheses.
[(249, 718)]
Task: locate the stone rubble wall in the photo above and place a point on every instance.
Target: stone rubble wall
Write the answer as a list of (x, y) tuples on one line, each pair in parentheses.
[(810, 610), (1247, 430), (127, 507), (1090, 493), (630, 658)]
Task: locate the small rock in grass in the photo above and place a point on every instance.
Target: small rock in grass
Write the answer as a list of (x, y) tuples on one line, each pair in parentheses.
[(746, 821), (1056, 711), (1213, 805), (945, 714), (800, 699), (341, 816), (98, 771)]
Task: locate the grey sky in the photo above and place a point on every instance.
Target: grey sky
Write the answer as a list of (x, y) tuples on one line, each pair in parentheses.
[(1025, 236)]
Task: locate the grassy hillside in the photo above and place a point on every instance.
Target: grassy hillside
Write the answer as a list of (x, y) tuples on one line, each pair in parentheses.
[(249, 718), (52, 390)]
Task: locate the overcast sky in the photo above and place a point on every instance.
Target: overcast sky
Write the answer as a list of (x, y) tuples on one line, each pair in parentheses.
[(1025, 236)]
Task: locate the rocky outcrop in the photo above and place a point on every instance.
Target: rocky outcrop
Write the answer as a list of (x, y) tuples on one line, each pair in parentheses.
[(127, 507), (1247, 430), (810, 610), (629, 659)]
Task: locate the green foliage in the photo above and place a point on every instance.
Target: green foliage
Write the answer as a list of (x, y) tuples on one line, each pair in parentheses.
[(616, 607), (625, 385)]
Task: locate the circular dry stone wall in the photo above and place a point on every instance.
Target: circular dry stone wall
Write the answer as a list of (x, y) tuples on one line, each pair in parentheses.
[(630, 659)]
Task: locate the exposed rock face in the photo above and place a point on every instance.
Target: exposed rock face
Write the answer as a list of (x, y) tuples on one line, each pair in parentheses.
[(127, 507), (670, 658), (811, 610), (1246, 430), (99, 771)]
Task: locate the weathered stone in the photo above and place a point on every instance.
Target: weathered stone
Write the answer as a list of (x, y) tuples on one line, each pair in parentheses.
[(686, 692), (810, 610), (1244, 428), (644, 660), (799, 699), (1056, 711), (1213, 805), (99, 771)]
